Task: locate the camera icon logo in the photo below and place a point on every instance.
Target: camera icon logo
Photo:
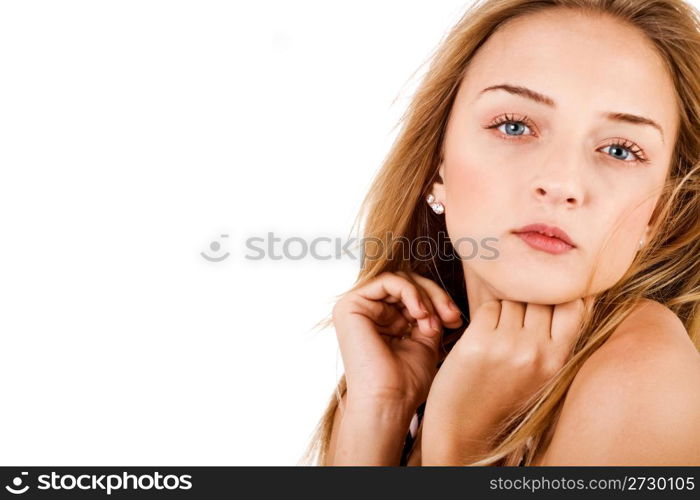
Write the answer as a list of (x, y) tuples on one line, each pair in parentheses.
[(17, 482)]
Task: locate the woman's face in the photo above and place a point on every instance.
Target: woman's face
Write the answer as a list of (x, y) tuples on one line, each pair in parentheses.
[(555, 154)]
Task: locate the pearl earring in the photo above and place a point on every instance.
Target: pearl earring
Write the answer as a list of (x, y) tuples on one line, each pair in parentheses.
[(641, 243), (437, 207)]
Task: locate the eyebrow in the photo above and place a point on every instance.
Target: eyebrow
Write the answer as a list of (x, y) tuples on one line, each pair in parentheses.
[(548, 101)]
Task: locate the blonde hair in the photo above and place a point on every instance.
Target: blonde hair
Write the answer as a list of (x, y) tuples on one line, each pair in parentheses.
[(667, 270)]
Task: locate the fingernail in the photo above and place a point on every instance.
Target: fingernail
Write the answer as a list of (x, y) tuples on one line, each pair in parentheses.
[(434, 323), (454, 307)]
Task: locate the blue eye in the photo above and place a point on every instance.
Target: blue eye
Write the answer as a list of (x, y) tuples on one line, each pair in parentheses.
[(509, 127), (512, 125), (514, 128), (629, 147)]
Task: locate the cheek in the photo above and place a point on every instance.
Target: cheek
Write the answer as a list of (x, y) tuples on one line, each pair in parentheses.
[(463, 198), (475, 195), (630, 223), (471, 185), (617, 245)]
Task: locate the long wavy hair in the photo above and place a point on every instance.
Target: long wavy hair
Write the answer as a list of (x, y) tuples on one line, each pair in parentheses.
[(666, 270)]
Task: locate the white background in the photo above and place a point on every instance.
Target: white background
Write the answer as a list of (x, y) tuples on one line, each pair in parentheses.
[(132, 135)]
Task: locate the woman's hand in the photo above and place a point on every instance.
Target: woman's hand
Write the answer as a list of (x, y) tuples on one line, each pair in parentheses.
[(508, 352), (389, 332)]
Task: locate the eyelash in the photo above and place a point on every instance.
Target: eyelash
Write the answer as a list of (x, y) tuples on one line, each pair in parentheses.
[(638, 153)]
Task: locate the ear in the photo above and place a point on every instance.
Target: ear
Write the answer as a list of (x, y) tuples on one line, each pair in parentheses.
[(438, 187), (652, 220)]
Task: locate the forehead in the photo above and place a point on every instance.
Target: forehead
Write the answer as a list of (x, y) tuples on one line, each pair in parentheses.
[(574, 58)]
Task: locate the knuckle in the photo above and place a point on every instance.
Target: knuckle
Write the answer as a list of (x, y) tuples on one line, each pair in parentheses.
[(413, 288), (411, 284), (499, 350), (395, 276), (549, 367), (345, 304), (485, 310), (339, 307), (472, 350), (425, 282), (551, 364), (389, 275), (491, 305), (525, 355), (381, 309), (502, 356), (383, 275), (526, 358)]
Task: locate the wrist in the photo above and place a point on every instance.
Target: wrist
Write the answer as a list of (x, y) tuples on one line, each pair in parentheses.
[(372, 434), (454, 441), (454, 451), (383, 413), (393, 406)]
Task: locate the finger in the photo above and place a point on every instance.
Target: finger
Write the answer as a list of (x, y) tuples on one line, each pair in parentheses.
[(378, 311), (358, 334), (405, 313), (411, 320), (397, 328), (566, 320), (434, 320), (538, 319), (450, 317), (486, 317), (390, 286), (374, 310), (431, 339), (425, 297), (512, 316)]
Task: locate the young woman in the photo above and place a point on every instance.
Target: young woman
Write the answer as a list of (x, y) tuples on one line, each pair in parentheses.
[(553, 151)]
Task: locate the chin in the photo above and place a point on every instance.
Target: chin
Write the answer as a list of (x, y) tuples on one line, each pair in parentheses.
[(540, 290), (545, 298)]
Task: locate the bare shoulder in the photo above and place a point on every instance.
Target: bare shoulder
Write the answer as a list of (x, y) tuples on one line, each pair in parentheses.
[(651, 337), (654, 320), (636, 400)]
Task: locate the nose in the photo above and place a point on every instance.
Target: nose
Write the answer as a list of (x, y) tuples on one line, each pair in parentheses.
[(563, 188)]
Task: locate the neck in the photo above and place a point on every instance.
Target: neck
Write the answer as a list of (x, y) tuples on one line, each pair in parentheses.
[(478, 291)]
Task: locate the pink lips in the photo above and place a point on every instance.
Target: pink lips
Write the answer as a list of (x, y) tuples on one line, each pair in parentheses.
[(550, 239)]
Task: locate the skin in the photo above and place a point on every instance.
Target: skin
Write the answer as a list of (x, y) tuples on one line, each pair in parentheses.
[(561, 170), (626, 405)]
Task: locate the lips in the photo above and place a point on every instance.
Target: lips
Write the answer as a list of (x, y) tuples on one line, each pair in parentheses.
[(548, 238)]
